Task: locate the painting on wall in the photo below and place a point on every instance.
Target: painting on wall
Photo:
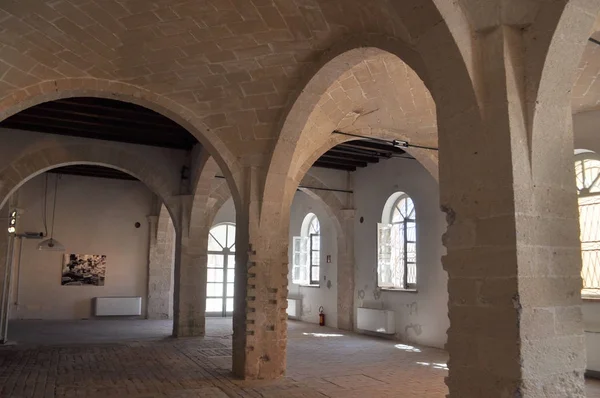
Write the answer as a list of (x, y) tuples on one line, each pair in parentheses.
[(83, 269)]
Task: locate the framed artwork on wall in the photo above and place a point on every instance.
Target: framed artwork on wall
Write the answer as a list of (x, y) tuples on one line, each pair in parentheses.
[(83, 270)]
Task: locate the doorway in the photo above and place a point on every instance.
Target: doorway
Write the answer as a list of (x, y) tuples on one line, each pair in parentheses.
[(221, 270)]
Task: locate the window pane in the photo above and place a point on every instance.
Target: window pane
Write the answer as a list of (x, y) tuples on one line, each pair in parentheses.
[(215, 275), (212, 244), (303, 275), (315, 258), (230, 261), (303, 259), (315, 242), (230, 275), (589, 221), (219, 233), (314, 225), (412, 274), (214, 305), (214, 289), (411, 255), (396, 216), (587, 172), (230, 235), (411, 231), (315, 274), (410, 207), (229, 304), (296, 274), (215, 261), (230, 290)]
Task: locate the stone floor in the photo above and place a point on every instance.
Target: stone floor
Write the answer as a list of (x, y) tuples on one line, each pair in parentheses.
[(117, 358)]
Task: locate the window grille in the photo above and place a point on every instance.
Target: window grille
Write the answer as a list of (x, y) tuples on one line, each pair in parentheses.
[(587, 173)]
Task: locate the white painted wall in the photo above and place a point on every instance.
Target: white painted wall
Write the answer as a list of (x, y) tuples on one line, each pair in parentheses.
[(326, 293), (226, 213), (420, 317), (93, 216)]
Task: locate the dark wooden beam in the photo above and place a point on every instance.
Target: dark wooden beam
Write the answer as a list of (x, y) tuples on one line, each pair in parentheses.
[(86, 123), (100, 134), (347, 161), (374, 146), (93, 171), (74, 113), (344, 154), (334, 166)]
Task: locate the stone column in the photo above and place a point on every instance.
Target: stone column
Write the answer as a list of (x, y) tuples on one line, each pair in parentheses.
[(345, 271), (260, 318), (160, 266), (513, 256), (190, 278)]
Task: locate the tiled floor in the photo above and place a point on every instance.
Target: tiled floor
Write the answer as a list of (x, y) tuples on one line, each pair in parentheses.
[(138, 359)]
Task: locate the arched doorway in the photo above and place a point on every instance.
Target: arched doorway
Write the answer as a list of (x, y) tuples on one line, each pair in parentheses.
[(221, 270)]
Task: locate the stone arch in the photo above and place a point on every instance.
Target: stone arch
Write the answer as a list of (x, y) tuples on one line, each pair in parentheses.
[(315, 115), (46, 91), (556, 71), (337, 95), (343, 221), (189, 317), (36, 162)]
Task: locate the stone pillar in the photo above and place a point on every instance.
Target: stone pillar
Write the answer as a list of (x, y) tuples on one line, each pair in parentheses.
[(190, 278), (260, 318), (513, 257), (345, 271), (160, 266)]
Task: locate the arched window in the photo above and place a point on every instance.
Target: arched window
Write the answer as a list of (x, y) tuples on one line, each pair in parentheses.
[(587, 174), (307, 252), (221, 270), (397, 244)]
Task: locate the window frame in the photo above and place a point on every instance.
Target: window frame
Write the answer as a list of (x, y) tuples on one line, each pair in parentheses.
[(588, 290), (392, 205), (307, 234)]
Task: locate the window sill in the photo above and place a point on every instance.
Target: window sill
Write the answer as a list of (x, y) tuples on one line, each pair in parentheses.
[(307, 285), (590, 298), (393, 289)]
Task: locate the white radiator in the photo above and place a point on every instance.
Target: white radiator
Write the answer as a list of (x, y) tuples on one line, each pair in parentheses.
[(112, 306), (380, 321), (592, 339), (293, 309)]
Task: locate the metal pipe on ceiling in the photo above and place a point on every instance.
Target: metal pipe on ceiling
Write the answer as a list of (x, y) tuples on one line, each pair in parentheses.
[(315, 188), (395, 143)]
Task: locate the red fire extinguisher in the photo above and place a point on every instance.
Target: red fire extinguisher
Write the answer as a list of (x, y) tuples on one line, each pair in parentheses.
[(321, 316)]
